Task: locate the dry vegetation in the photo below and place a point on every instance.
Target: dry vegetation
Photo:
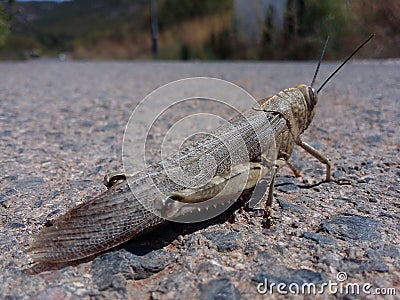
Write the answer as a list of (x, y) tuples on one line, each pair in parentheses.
[(205, 30), (382, 18), (129, 43)]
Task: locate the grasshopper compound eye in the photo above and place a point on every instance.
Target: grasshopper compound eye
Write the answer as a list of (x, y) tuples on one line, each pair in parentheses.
[(312, 97)]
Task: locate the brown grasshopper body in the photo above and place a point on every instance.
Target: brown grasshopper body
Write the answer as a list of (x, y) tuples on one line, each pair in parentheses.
[(132, 207)]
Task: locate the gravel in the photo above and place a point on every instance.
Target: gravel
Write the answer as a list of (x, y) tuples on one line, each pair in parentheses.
[(61, 130)]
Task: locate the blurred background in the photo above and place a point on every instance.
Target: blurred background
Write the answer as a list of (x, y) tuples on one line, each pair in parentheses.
[(190, 29)]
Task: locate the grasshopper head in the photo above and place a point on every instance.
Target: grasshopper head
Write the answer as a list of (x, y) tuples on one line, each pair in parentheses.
[(311, 97)]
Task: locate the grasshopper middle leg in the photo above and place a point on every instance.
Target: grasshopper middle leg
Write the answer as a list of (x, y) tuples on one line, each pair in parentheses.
[(256, 203)]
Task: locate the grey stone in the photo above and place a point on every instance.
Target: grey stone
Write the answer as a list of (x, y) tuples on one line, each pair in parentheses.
[(249, 248), (290, 206), (279, 181), (111, 126), (391, 251), (146, 265), (353, 227), (107, 267), (111, 270), (320, 238), (224, 242), (353, 266), (373, 139), (219, 289), (10, 192), (377, 265), (38, 203), (56, 292), (53, 195), (338, 173), (265, 258), (15, 225), (207, 267), (8, 179), (366, 180), (287, 187), (29, 183)]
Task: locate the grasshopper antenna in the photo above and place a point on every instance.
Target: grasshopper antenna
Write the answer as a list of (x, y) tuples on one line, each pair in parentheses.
[(346, 60), (320, 60)]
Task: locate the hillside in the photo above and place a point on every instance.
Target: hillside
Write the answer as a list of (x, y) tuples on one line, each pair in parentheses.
[(59, 27)]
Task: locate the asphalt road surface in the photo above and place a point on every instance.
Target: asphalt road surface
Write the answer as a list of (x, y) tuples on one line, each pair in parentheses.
[(61, 130)]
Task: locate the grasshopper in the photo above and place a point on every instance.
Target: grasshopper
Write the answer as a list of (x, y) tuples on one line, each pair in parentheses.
[(131, 206)]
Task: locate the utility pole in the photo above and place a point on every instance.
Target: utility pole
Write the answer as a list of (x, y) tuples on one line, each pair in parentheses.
[(154, 26)]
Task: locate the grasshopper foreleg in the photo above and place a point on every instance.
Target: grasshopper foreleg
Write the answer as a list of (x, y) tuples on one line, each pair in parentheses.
[(318, 155)]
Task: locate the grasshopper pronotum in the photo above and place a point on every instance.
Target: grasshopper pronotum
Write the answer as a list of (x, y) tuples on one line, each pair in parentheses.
[(116, 215)]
